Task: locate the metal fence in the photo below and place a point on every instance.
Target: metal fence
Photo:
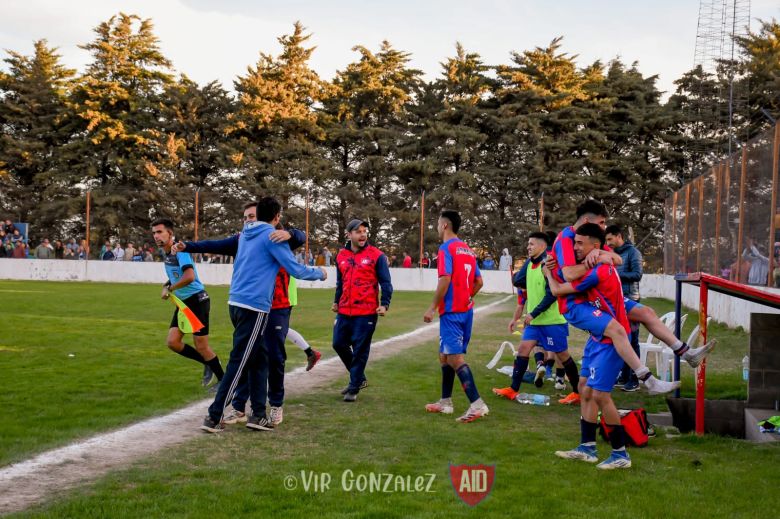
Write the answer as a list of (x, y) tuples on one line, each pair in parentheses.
[(726, 221)]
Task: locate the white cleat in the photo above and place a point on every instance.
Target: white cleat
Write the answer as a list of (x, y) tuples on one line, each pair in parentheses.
[(443, 406)]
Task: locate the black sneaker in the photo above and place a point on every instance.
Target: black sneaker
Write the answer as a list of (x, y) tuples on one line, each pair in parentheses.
[(350, 397), (211, 426), (207, 375), (259, 423), (631, 386), (620, 382), (363, 385)]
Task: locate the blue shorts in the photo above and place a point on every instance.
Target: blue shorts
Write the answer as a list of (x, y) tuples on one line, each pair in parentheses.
[(601, 364), (588, 318), (455, 332), (551, 337), (631, 304)]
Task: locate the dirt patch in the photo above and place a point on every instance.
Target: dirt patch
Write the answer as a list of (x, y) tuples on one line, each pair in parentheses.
[(32, 481)]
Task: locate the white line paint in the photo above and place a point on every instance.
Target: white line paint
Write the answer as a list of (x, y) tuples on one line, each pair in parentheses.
[(104, 444)]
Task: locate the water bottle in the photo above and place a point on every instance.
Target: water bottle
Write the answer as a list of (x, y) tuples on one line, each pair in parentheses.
[(745, 367), (533, 399)]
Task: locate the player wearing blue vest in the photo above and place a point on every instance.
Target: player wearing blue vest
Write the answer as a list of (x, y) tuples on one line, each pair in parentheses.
[(183, 281), (258, 260), (459, 281)]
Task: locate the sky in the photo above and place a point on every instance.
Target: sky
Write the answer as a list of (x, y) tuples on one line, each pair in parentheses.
[(217, 40)]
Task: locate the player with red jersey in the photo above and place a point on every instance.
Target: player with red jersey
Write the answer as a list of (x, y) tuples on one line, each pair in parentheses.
[(459, 280)]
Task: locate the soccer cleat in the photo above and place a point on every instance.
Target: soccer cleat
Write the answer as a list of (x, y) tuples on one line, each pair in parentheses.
[(363, 385), (570, 399), (539, 378), (560, 384), (506, 392), (616, 460), (631, 386), (207, 375), (474, 412), (350, 397), (233, 416), (694, 356), (316, 356), (211, 426), (581, 452), (659, 387), (276, 415), (443, 406), (259, 423)]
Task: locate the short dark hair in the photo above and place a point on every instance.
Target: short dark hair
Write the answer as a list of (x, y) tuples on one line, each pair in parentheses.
[(268, 208), (552, 235), (453, 217), (167, 222), (539, 235), (250, 204), (592, 230), (614, 230), (591, 207)]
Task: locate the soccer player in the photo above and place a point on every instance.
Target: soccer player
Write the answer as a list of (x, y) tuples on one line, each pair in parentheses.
[(277, 330), (258, 260), (601, 362), (544, 325), (362, 271), (459, 281), (565, 267), (183, 281)]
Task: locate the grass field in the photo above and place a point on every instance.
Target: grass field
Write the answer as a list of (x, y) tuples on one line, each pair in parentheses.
[(387, 431)]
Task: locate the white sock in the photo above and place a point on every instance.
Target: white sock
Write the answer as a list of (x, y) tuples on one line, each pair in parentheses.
[(297, 339)]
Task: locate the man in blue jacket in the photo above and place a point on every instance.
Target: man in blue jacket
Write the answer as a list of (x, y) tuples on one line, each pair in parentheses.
[(630, 273), (257, 262)]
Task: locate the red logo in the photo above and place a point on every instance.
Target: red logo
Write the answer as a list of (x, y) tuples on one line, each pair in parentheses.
[(472, 483)]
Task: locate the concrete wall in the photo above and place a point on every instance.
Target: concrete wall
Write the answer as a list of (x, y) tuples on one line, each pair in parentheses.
[(138, 272), (722, 308)]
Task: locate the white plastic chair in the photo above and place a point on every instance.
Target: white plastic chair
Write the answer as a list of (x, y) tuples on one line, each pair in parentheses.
[(667, 357), (660, 351)]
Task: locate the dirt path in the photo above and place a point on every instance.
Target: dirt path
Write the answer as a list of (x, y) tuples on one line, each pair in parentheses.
[(32, 481)]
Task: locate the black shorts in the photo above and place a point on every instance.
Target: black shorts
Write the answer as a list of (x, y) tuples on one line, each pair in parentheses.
[(200, 304)]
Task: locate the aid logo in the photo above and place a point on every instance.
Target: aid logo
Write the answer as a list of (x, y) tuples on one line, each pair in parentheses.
[(472, 483)]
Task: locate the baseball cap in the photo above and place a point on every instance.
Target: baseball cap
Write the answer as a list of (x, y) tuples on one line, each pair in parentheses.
[(354, 224)]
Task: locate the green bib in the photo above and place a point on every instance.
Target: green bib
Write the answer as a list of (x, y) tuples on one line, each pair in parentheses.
[(292, 292), (535, 286)]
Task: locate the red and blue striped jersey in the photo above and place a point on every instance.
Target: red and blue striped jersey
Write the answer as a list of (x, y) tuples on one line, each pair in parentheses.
[(459, 262), (604, 291), (563, 252)]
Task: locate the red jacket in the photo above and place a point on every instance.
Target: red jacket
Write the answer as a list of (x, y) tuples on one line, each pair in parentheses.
[(359, 278), (281, 290)]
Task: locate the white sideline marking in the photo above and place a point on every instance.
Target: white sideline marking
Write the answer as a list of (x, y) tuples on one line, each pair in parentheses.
[(103, 444)]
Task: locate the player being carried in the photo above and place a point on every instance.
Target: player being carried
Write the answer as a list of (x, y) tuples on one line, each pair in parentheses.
[(564, 267), (183, 281), (459, 281), (601, 362), (544, 325)]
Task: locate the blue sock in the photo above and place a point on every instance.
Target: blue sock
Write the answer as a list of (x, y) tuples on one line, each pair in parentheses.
[(447, 380), (588, 431), (521, 365), (467, 381)]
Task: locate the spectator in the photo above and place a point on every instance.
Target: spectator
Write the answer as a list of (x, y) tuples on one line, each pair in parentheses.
[(758, 274), (59, 249), (393, 261), (44, 250), (68, 254), (407, 263), (320, 262), (119, 252), (488, 263), (776, 275), (299, 257), (20, 250), (426, 261), (108, 254), (129, 252), (138, 254), (106, 246), (16, 236), (72, 245), (328, 256), (9, 227), (310, 259), (505, 261), (81, 253), (4, 252), (148, 255)]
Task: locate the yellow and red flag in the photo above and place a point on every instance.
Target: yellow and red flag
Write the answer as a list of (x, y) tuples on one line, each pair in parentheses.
[(188, 321)]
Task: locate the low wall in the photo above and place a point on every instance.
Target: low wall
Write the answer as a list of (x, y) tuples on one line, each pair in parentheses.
[(210, 274), (722, 308), (728, 310)]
